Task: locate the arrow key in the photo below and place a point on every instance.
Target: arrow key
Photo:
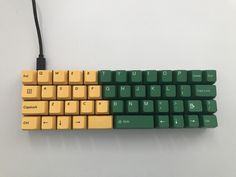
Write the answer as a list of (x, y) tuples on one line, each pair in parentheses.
[(162, 121), (191, 121)]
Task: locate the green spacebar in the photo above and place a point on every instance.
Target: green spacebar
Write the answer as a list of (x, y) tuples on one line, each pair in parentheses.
[(133, 121)]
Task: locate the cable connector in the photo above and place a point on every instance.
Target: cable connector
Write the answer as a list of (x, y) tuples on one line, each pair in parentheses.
[(41, 63)]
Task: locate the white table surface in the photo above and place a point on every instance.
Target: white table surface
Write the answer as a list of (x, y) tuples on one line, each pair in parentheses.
[(119, 34)]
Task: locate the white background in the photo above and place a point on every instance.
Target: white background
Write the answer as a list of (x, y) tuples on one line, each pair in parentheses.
[(119, 34)]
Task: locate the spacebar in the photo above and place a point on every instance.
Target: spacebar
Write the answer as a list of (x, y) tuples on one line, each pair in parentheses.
[(133, 121)]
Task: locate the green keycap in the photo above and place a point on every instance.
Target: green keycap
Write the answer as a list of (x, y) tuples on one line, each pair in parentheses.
[(195, 76), (133, 121), (184, 91), (117, 106), (209, 76), (139, 91), (177, 121), (162, 106), (147, 106), (136, 76), (180, 76), (120, 76), (166, 76), (206, 91), (132, 106), (169, 91), (177, 106), (162, 121), (154, 91), (150, 76), (208, 121), (209, 106), (109, 91), (194, 106), (124, 91), (105, 76), (191, 121)]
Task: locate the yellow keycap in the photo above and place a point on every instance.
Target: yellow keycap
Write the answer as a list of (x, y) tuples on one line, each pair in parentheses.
[(100, 122), (63, 122), (71, 107), (102, 107), (90, 77), (76, 77), (34, 107), (79, 92), (29, 77), (48, 92), (79, 122), (44, 77), (60, 77), (31, 92), (30, 123), (94, 92), (64, 92), (48, 122), (56, 108), (87, 107)]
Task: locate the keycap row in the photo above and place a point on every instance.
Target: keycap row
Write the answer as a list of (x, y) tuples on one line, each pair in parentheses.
[(66, 122), (40, 77), (65, 107), (59, 77), (153, 76), (118, 122), (157, 91), (163, 106), (61, 92), (117, 107)]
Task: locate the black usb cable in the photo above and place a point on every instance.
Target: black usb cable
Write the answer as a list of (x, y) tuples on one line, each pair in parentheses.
[(41, 61)]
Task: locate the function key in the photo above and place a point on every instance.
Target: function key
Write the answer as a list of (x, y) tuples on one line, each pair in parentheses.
[(60, 77), (121, 76), (180, 76), (195, 76), (29, 77), (166, 76), (150, 76), (105, 76), (209, 76), (135, 76)]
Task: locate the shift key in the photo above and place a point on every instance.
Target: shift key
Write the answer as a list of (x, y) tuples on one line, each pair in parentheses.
[(133, 122), (35, 107)]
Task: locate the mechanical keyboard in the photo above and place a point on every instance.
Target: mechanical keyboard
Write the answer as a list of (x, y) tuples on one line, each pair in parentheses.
[(76, 99)]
